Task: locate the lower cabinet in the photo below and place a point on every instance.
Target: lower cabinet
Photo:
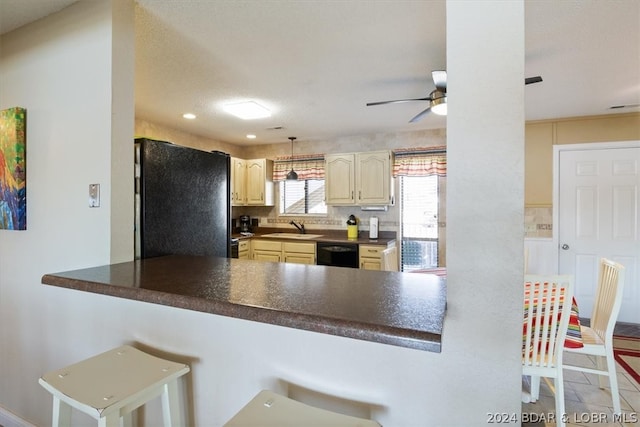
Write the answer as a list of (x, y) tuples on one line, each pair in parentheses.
[(243, 249), (299, 253), (278, 251), (266, 250), (371, 256)]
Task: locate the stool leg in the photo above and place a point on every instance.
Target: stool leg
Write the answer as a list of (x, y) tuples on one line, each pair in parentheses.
[(171, 405), (61, 413)]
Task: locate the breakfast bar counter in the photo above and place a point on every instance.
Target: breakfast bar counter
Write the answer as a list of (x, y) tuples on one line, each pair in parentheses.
[(401, 309)]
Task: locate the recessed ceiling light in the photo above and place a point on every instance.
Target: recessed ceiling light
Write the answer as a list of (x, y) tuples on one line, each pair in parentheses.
[(251, 136), (189, 116), (247, 110)]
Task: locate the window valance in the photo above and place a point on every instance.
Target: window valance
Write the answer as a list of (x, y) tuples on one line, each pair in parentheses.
[(310, 166), (423, 161)]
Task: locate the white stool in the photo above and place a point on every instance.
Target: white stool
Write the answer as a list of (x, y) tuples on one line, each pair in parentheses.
[(112, 384), (270, 409)]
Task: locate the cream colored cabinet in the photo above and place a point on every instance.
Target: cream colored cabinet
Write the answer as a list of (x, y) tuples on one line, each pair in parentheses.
[(243, 249), (299, 253), (238, 182), (371, 256), (252, 182), (340, 179), (358, 179), (259, 182), (279, 251), (266, 250)]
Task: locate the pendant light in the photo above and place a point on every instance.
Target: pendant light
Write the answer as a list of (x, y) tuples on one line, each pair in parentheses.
[(292, 175)]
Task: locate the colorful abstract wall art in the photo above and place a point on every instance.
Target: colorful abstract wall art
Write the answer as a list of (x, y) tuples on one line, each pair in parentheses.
[(13, 173)]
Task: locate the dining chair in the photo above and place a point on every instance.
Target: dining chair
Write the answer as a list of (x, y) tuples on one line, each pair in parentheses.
[(598, 337), (547, 307)]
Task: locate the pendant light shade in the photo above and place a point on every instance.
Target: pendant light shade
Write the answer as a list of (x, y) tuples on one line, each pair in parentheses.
[(292, 175)]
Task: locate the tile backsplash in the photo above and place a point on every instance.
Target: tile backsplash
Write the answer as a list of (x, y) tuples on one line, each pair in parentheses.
[(538, 221), (335, 219)]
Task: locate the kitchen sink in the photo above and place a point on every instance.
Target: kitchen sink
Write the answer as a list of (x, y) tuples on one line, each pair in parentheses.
[(295, 236)]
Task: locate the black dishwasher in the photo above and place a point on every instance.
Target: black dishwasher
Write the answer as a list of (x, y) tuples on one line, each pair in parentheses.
[(338, 254)]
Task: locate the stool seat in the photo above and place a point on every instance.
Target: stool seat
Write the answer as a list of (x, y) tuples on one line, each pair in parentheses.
[(269, 409), (112, 384)]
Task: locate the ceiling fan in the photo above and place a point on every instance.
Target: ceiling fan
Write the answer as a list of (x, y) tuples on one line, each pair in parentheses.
[(438, 97), (617, 107)]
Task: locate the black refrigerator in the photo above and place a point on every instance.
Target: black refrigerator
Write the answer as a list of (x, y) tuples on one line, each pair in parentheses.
[(182, 200)]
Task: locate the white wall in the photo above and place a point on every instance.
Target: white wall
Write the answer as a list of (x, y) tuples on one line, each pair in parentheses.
[(485, 211), (60, 69)]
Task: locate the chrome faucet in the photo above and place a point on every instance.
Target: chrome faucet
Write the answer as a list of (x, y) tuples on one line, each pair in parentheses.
[(300, 227)]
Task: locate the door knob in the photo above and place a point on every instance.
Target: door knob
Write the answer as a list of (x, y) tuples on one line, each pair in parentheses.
[(565, 246)]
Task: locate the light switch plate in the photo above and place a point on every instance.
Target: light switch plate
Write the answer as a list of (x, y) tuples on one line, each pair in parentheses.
[(94, 195)]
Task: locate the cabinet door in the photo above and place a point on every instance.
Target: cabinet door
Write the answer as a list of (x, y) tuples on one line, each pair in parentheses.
[(255, 182), (339, 179), (260, 255), (259, 182), (238, 182), (243, 249), (370, 264), (296, 258), (373, 177), (370, 257), (299, 252)]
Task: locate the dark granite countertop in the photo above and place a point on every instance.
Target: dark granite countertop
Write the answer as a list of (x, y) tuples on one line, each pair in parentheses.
[(403, 309)]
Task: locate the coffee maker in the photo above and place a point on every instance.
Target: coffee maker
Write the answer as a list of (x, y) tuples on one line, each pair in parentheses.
[(245, 224)]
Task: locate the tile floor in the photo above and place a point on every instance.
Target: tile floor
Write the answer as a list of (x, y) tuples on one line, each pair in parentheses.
[(587, 404)]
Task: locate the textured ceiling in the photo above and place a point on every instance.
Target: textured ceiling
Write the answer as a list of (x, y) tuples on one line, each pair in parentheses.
[(16, 13), (316, 64)]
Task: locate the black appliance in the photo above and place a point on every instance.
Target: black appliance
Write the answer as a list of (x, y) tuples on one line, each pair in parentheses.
[(337, 254), (235, 247), (245, 224), (182, 200)]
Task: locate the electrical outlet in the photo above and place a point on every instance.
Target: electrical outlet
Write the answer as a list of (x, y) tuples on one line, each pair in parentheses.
[(94, 195)]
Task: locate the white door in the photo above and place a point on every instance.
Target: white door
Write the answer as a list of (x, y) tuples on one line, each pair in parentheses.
[(598, 217)]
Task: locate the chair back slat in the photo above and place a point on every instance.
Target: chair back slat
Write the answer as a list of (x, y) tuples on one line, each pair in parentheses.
[(546, 319), (608, 298)]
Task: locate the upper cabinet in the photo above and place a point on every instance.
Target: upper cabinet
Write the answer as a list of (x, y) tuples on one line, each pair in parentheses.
[(358, 179), (238, 182), (252, 182)]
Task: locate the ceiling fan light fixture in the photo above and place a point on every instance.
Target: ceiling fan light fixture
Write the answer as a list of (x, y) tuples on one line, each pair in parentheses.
[(439, 103)]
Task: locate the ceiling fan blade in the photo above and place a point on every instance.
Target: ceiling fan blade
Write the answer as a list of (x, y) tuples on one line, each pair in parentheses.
[(615, 107), (530, 80), (420, 115), (397, 101), (440, 80)]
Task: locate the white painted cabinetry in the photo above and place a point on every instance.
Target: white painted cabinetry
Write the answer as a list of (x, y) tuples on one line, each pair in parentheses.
[(252, 182), (358, 179), (370, 256), (279, 251), (238, 182)]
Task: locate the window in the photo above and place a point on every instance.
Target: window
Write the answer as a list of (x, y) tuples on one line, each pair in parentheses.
[(419, 206), (305, 196)]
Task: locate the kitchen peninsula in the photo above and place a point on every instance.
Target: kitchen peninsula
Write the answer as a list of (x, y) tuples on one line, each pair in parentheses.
[(400, 309)]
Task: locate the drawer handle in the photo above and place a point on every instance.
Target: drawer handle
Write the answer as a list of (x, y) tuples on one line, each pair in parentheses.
[(373, 250)]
